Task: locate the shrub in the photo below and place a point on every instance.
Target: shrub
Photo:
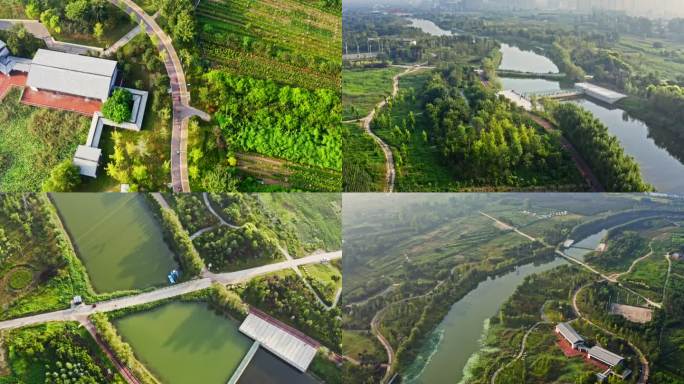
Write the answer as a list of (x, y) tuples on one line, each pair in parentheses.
[(64, 177), (118, 107)]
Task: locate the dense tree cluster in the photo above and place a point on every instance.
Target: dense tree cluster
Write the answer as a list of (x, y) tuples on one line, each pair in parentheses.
[(623, 248), (281, 121), (667, 100), (62, 353), (190, 261), (226, 246), (20, 42), (482, 136), (227, 302), (288, 299), (616, 170), (192, 212), (74, 16), (65, 177)]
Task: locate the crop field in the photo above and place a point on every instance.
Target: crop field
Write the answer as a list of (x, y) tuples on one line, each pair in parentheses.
[(363, 167), (33, 141), (290, 42), (363, 89)]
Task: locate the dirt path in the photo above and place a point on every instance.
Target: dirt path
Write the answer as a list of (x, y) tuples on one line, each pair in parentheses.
[(390, 171), (616, 276), (522, 350), (582, 165)]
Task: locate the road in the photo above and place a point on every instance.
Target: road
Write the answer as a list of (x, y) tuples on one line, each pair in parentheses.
[(207, 279), (182, 111), (574, 260), (643, 378), (390, 171), (282, 250)]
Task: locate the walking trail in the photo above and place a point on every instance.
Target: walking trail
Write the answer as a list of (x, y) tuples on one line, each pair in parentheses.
[(182, 111), (390, 172)]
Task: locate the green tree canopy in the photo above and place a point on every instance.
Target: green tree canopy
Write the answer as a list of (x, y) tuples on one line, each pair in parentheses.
[(118, 107)]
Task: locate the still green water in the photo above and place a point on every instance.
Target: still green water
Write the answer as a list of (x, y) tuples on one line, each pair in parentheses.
[(457, 337), (266, 368), (516, 59), (185, 343), (117, 239)]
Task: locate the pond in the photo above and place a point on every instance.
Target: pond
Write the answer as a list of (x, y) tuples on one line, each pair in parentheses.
[(185, 343), (445, 356), (117, 238), (430, 27)]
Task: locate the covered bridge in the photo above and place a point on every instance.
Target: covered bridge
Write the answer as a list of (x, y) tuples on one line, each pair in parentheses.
[(287, 343)]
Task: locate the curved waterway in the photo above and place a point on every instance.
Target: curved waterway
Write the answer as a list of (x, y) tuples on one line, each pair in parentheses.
[(458, 337), (516, 59), (428, 26), (652, 147)]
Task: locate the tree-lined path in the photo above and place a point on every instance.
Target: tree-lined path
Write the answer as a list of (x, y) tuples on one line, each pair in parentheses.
[(182, 111)]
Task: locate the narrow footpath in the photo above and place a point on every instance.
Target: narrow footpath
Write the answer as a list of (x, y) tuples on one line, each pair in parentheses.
[(390, 171)]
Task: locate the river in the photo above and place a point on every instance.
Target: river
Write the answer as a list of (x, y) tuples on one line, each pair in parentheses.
[(428, 26), (659, 164), (455, 342), (457, 337)]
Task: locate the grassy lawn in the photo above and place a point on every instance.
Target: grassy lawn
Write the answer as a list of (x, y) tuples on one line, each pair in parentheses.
[(363, 169), (315, 217), (29, 152), (355, 344), (641, 54), (419, 168), (362, 89), (11, 9), (648, 277), (326, 279)]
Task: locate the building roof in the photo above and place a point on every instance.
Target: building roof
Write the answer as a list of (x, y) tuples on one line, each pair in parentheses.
[(84, 76), (2, 45), (87, 159), (277, 338), (569, 333), (595, 90), (605, 355)]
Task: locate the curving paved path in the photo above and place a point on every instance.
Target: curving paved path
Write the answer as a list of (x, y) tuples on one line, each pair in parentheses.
[(182, 111)]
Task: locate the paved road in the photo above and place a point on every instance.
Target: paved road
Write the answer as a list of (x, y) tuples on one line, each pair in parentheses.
[(167, 292), (574, 260), (182, 111)]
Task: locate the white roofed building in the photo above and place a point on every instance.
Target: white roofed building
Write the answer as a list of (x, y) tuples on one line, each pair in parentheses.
[(76, 75), (569, 334), (604, 356), (280, 339)]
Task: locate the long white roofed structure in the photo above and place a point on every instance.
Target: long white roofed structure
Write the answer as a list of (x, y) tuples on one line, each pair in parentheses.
[(605, 356), (84, 76), (569, 333), (283, 341)]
